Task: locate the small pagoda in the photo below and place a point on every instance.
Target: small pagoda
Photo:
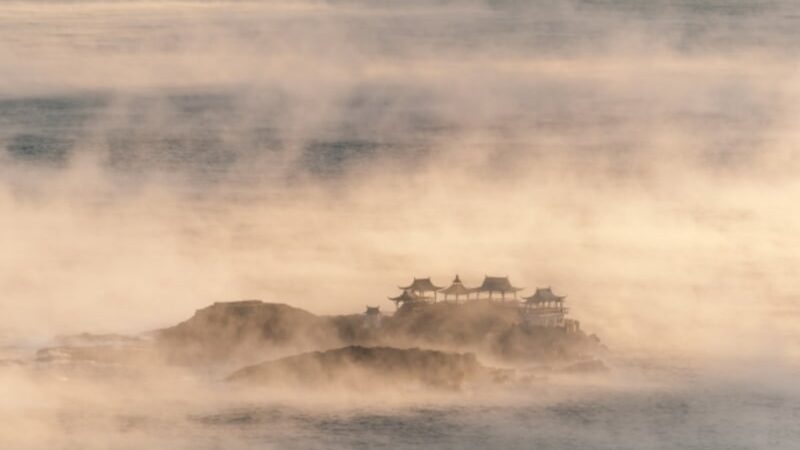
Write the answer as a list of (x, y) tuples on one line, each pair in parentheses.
[(456, 289), (372, 317), (497, 285), (545, 308), (421, 287)]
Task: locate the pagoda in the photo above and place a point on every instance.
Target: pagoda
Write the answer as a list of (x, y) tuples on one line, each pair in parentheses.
[(420, 287), (501, 285), (456, 289), (372, 317), (545, 308), (406, 297)]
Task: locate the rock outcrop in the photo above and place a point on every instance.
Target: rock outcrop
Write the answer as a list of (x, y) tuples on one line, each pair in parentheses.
[(362, 367), (245, 330), (490, 329)]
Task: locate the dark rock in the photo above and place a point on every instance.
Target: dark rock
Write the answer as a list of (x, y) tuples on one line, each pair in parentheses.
[(244, 329), (362, 367)]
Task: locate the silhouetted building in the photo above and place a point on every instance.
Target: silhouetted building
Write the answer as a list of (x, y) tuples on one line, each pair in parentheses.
[(420, 287), (406, 297), (497, 285), (544, 308), (456, 289), (372, 317)]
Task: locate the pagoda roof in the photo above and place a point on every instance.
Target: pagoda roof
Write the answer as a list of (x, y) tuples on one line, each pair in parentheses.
[(544, 295), (421, 285), (406, 296), (497, 284), (457, 288)]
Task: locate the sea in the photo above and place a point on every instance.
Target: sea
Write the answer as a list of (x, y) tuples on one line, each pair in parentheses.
[(638, 404)]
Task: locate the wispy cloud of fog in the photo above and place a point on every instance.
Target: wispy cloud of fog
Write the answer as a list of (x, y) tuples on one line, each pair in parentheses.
[(162, 156)]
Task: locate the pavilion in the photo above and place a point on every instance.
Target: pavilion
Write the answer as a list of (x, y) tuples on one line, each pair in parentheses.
[(406, 297), (457, 289), (499, 285), (545, 308), (420, 287)]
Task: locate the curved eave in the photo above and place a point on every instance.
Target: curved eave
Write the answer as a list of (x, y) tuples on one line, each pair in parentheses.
[(405, 297)]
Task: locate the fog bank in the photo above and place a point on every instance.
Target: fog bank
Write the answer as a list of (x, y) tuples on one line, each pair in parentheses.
[(161, 156)]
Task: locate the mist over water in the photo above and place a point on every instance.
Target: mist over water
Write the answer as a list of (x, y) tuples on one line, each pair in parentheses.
[(639, 157)]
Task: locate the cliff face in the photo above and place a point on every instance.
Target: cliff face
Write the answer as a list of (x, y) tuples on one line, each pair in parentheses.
[(363, 367)]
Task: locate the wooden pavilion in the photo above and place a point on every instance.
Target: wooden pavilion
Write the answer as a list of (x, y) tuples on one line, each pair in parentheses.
[(406, 297), (501, 285), (545, 308), (456, 289), (420, 287)]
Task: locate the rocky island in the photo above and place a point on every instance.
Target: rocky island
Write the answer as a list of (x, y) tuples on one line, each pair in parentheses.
[(426, 341)]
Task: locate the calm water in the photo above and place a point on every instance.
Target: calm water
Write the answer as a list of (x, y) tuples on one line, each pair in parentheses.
[(640, 405), (394, 84)]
